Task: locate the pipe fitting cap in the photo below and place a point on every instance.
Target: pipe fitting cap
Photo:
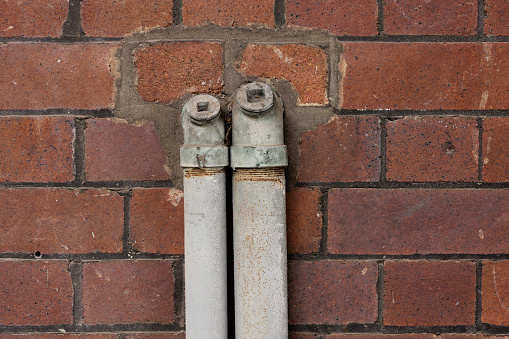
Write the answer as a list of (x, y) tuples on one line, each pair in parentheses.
[(202, 108), (255, 97)]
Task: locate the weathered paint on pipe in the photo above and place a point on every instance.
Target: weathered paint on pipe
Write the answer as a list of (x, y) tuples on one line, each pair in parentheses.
[(203, 134), (205, 253), (259, 233), (204, 156), (257, 136), (258, 154)]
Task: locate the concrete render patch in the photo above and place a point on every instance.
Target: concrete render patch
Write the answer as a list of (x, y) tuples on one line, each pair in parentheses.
[(167, 117)]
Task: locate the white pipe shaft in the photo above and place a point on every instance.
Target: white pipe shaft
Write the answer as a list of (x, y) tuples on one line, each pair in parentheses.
[(259, 241), (205, 253)]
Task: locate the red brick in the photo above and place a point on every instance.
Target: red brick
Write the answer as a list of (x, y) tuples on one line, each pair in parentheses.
[(412, 336), (59, 336), (117, 151), (37, 18), (117, 18), (496, 17), (495, 293), (304, 67), (418, 221), (157, 220), (61, 220), (346, 149), (304, 220), (357, 18), (44, 75), (432, 149), (168, 71), (303, 336), (165, 335), (432, 17), (494, 150), (420, 293), (127, 291), (35, 293), (228, 13), (36, 149), (332, 292), (385, 336), (470, 336), (425, 76)]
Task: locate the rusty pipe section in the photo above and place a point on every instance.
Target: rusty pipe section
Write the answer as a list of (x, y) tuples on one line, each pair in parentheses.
[(258, 155), (204, 157)]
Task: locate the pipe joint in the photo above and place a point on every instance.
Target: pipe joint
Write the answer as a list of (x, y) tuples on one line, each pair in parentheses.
[(203, 134), (257, 128)]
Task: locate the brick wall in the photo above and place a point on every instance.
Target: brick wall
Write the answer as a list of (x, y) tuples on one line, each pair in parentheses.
[(397, 126)]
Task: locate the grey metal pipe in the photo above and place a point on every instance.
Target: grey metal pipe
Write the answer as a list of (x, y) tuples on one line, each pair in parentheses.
[(204, 157), (258, 156)]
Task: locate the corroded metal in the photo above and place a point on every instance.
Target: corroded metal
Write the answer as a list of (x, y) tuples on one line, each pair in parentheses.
[(257, 135), (258, 155), (255, 97), (203, 134), (202, 109), (204, 156)]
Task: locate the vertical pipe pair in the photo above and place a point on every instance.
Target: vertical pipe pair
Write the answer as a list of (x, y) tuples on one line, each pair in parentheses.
[(258, 156)]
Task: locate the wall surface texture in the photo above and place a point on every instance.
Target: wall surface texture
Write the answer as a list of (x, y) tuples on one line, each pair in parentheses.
[(397, 123)]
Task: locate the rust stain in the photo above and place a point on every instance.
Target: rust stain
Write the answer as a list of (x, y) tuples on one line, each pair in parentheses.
[(274, 174), (201, 172)]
